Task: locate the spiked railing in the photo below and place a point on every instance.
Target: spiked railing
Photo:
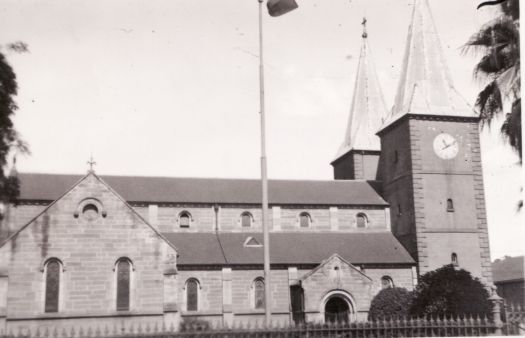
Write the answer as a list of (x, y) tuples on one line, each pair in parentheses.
[(513, 317), (400, 327)]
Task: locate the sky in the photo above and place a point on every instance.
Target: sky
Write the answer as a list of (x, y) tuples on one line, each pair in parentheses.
[(170, 88)]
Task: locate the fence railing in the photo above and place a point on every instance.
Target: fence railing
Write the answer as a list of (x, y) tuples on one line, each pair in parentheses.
[(513, 317), (384, 328)]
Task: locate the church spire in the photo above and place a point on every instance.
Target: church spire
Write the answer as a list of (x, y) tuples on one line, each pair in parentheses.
[(368, 105), (425, 85)]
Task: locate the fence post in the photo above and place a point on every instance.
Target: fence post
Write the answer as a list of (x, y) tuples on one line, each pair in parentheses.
[(496, 309)]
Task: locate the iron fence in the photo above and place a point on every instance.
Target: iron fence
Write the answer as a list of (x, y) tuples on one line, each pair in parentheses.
[(513, 317), (388, 328)]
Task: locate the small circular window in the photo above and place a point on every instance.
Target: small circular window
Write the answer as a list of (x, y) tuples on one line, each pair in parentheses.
[(90, 212)]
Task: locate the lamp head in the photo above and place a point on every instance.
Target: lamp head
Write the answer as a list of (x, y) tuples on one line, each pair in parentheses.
[(280, 7)]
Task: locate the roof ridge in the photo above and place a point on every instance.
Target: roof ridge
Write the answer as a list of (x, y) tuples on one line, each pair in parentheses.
[(201, 178)]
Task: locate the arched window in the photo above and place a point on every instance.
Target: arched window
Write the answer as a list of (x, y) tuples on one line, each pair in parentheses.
[(123, 284), (396, 156), (387, 282), (258, 293), (450, 205), (192, 295), (454, 259), (361, 220), (184, 219), (246, 219), (399, 212), (52, 270), (90, 211), (304, 220)]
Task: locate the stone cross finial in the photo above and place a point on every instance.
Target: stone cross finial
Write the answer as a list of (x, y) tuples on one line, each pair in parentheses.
[(91, 163), (365, 34)]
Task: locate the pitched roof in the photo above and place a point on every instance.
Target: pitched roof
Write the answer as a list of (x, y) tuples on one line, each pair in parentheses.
[(508, 269), (307, 248), (425, 86), (368, 106), (49, 187), (327, 261), (71, 187)]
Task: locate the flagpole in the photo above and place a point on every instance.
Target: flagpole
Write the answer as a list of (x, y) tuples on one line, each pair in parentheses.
[(264, 181)]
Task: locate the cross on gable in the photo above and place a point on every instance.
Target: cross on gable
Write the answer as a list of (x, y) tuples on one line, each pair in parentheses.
[(91, 163)]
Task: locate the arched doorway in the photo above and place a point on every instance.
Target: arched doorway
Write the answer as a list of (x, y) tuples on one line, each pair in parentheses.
[(337, 310)]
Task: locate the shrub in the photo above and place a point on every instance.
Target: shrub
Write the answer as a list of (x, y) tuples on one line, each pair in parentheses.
[(448, 291), (390, 303)]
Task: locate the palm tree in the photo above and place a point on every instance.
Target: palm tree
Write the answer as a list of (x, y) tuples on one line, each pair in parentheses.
[(498, 42)]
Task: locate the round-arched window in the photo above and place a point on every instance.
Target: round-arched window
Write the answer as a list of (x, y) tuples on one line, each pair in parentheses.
[(258, 293), (304, 220), (387, 282), (192, 295), (184, 219), (246, 219), (454, 259), (361, 220), (53, 267), (90, 211)]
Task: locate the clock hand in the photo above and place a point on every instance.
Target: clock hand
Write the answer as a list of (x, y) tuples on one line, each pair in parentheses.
[(449, 145)]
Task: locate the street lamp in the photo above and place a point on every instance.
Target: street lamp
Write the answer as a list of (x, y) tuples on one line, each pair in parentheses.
[(275, 8)]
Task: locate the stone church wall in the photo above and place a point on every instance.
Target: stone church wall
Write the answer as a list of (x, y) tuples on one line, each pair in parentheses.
[(232, 300), (227, 295), (88, 247), (281, 218)]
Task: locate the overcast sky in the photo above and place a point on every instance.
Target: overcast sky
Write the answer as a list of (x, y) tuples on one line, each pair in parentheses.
[(170, 88)]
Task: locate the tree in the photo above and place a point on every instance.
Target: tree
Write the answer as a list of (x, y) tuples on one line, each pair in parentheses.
[(449, 291), (9, 138), (390, 303), (498, 43)]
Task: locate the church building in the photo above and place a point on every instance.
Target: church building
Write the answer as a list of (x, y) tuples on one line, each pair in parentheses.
[(407, 198)]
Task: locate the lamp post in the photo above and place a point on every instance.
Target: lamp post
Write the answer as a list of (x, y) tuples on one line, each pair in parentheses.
[(275, 8), (264, 181)]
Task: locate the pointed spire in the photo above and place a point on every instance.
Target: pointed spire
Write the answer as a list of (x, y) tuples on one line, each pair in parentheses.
[(368, 105), (425, 85)]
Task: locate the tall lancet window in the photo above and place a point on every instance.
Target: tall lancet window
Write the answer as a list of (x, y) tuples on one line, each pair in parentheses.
[(258, 293), (192, 295), (52, 270), (123, 284)]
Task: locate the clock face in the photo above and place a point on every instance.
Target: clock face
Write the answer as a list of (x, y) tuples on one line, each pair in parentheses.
[(446, 146)]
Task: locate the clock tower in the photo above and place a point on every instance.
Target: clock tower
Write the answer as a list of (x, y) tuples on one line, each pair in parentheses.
[(430, 163)]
